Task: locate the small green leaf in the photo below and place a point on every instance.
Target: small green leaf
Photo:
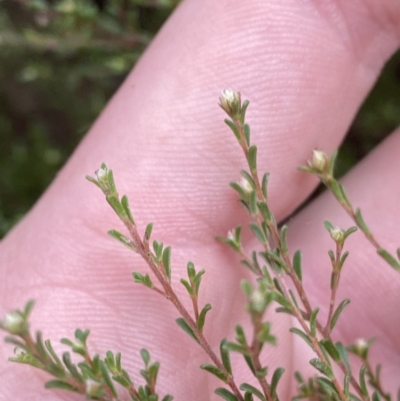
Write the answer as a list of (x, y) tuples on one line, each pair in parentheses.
[(337, 313), (376, 396), (343, 259), (281, 300), (168, 398), (329, 226), (145, 356), (215, 371), (363, 382), (249, 362), (326, 385), (234, 347), (330, 348), (197, 280), (202, 317), (233, 127), (339, 192), (93, 180), (187, 286), (71, 367), (145, 280), (332, 161), (122, 239), (51, 351), (191, 271), (264, 185), (343, 355), (293, 298), (302, 335), (313, 321), (240, 336), (246, 131), (284, 310), (59, 384), (186, 328), (243, 111), (253, 203), (322, 367), (265, 212), (389, 258), (252, 158), (275, 380), (28, 309), (264, 334), (111, 182), (350, 231), (116, 205), (346, 383), (226, 394), (125, 205), (152, 371), (166, 258), (253, 390), (283, 244), (149, 229), (248, 397), (261, 373), (247, 288), (361, 223), (106, 377), (226, 361), (297, 264), (158, 249)]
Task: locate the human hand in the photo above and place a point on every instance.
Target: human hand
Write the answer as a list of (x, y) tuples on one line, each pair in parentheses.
[(306, 69)]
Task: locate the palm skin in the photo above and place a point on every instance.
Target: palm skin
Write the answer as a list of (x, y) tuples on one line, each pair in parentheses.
[(306, 67)]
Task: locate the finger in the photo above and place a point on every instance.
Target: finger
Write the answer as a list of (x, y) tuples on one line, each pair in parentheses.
[(370, 284)]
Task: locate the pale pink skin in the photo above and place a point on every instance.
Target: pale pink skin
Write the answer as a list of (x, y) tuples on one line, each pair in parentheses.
[(306, 67)]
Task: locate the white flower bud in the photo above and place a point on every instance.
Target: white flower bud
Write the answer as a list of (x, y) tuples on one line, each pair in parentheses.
[(258, 300), (245, 185), (101, 174), (228, 98), (319, 161), (337, 234), (92, 388), (14, 323), (231, 235), (361, 343)]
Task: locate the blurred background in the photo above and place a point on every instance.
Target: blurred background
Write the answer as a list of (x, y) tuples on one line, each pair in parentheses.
[(61, 60)]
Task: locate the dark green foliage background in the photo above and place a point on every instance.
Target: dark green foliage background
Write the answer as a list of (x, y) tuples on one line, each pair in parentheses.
[(60, 61)]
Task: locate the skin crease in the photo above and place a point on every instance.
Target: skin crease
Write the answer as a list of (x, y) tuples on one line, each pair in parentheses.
[(306, 66)]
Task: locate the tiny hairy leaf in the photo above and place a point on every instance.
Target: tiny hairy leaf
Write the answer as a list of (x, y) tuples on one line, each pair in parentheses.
[(301, 334), (337, 313), (202, 316), (253, 390), (389, 258), (166, 258), (330, 348), (297, 264), (275, 380), (322, 367), (224, 351), (61, 385), (181, 322), (361, 223), (215, 371), (226, 394)]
